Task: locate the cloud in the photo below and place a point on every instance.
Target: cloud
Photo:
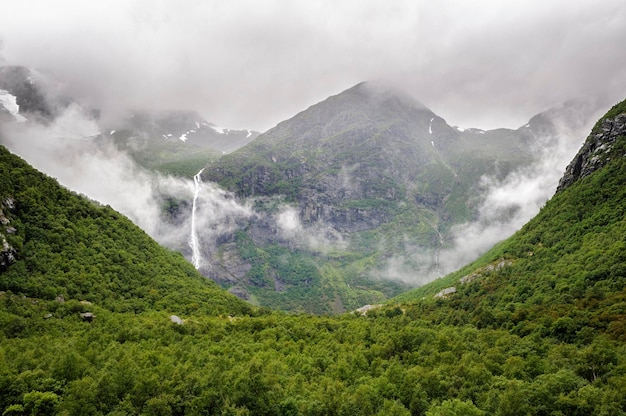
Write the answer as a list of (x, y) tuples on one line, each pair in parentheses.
[(250, 64), (509, 203), (67, 149), (219, 215), (318, 237)]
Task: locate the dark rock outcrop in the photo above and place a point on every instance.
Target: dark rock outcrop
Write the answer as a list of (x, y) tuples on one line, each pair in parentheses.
[(7, 252), (597, 150)]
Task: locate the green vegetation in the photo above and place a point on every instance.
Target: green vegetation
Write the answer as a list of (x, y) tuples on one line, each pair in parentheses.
[(70, 247), (538, 327), (290, 279)]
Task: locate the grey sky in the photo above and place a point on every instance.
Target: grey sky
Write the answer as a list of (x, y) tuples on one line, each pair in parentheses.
[(253, 63)]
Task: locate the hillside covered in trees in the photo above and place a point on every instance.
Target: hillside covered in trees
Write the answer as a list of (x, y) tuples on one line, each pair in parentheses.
[(536, 326)]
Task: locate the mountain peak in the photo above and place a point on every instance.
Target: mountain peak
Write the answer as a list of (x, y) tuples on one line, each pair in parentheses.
[(384, 92)]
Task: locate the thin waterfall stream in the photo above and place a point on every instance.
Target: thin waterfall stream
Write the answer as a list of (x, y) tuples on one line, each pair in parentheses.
[(194, 242)]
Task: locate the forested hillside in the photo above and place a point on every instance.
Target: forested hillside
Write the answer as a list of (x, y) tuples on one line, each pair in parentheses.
[(66, 246), (537, 327)]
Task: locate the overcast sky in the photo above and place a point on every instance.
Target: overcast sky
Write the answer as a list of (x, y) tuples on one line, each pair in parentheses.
[(253, 63)]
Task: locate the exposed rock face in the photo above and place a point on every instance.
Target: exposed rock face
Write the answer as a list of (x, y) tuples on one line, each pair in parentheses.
[(87, 316), (596, 152), (351, 159), (370, 172), (7, 252), (444, 293)]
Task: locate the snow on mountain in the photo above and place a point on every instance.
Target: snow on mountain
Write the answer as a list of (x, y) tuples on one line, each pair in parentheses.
[(9, 103)]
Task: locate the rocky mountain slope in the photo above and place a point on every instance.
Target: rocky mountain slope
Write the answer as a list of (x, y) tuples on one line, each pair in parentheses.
[(180, 142), (599, 149), (372, 177), (349, 202), (19, 82)]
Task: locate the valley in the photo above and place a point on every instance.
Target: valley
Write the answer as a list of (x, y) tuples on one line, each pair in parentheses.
[(352, 201), (533, 326), (355, 208)]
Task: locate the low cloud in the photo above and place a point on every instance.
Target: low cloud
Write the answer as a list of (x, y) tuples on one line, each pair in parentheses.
[(509, 203), (218, 215), (68, 150), (317, 237)]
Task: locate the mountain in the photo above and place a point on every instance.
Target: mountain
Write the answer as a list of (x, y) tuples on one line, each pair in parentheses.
[(180, 142), (537, 327), (350, 202), (365, 188)]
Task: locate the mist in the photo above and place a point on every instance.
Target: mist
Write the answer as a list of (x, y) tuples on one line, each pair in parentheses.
[(506, 204), (249, 65), (68, 150), (318, 237)]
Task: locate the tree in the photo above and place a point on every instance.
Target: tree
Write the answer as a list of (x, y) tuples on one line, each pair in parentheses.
[(455, 407), (38, 403)]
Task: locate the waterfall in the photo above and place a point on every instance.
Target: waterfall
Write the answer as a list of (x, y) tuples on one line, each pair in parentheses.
[(194, 243)]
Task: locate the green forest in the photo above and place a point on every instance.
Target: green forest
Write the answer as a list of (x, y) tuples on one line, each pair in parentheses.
[(534, 327)]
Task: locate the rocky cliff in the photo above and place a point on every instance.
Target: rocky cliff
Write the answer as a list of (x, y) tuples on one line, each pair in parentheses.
[(7, 252), (599, 147)]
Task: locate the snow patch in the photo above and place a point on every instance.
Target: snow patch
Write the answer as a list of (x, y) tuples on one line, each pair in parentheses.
[(432, 143), (112, 132), (430, 126), (249, 134), (219, 130), (9, 102), (184, 137), (197, 125)]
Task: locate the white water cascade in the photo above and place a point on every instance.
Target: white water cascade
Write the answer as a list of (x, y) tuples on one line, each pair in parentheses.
[(194, 243)]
